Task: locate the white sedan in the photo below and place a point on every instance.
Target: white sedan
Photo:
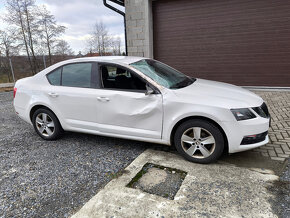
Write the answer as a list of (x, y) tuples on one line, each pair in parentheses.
[(143, 99)]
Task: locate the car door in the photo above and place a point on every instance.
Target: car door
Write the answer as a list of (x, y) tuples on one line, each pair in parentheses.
[(127, 110), (73, 94)]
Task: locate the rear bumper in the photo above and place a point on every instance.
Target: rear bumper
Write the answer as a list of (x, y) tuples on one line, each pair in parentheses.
[(237, 130), (22, 113)]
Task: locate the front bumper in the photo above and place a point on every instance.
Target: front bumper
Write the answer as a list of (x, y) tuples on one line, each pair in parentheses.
[(253, 139), (237, 130)]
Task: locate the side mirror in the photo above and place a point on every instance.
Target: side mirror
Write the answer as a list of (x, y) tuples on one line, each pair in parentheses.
[(149, 90)]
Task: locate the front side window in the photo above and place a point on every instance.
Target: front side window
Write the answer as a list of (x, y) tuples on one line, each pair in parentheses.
[(119, 78), (162, 74), (77, 75), (54, 77)]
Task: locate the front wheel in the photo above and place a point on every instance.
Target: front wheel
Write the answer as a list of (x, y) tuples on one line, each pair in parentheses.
[(199, 141), (46, 124)]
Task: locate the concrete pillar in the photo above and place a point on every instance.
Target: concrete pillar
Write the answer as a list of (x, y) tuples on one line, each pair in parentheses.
[(139, 27)]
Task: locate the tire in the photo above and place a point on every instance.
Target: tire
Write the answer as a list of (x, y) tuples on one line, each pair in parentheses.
[(199, 141), (46, 124)]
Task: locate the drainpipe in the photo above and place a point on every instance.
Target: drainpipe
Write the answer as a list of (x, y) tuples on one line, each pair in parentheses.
[(121, 3)]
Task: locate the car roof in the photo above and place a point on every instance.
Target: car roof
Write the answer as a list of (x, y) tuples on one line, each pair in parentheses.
[(110, 59), (122, 60)]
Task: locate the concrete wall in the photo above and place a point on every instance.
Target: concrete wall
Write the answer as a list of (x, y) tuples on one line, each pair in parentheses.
[(139, 28)]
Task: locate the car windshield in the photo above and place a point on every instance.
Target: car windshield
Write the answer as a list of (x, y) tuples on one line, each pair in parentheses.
[(163, 74)]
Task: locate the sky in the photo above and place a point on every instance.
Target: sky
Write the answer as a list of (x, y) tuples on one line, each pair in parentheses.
[(79, 17)]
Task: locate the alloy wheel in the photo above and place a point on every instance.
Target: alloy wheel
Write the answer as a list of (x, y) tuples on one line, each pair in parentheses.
[(197, 142), (44, 124)]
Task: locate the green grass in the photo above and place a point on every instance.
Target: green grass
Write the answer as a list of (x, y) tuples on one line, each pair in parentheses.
[(116, 175), (4, 79)]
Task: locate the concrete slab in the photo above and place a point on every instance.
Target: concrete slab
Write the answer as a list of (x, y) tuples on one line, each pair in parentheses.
[(216, 190), (158, 180)]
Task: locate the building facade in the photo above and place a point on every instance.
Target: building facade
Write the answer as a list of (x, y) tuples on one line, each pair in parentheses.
[(241, 42)]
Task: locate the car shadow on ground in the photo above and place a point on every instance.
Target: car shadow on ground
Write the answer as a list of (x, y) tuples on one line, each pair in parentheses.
[(247, 159), (115, 141)]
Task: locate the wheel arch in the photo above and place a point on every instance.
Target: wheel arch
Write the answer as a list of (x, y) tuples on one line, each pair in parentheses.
[(226, 149), (38, 106)]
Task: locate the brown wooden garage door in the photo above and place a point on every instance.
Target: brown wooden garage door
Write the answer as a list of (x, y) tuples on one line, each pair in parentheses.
[(243, 42)]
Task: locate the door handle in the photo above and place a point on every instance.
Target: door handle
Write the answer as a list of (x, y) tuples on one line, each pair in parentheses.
[(53, 95), (103, 99)]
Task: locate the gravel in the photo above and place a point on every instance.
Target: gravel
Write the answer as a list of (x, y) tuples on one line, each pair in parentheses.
[(281, 190), (281, 193), (54, 179), (285, 176)]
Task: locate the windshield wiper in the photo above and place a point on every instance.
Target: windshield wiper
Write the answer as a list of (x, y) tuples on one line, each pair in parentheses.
[(183, 83), (193, 79)]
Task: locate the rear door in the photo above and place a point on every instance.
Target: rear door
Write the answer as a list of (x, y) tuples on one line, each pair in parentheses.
[(124, 108), (73, 94)]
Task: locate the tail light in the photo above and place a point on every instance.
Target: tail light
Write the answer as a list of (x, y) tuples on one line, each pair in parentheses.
[(14, 92)]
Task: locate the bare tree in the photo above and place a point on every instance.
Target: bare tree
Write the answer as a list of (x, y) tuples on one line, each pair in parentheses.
[(49, 30), (100, 41), (90, 45), (15, 17), (63, 48), (9, 48), (116, 46), (36, 32), (30, 9), (22, 15)]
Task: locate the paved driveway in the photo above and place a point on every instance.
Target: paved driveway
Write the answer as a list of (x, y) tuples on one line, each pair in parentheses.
[(279, 106)]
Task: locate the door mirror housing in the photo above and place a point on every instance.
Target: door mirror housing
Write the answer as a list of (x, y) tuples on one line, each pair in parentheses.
[(149, 90)]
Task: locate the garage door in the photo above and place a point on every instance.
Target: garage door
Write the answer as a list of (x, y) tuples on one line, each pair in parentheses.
[(243, 42)]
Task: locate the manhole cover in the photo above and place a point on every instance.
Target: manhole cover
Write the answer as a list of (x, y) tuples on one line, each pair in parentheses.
[(158, 180)]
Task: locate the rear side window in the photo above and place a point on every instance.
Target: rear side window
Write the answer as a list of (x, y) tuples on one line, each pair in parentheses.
[(54, 77), (77, 75), (73, 75)]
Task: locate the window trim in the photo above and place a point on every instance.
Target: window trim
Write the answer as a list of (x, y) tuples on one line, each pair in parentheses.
[(101, 85), (94, 77)]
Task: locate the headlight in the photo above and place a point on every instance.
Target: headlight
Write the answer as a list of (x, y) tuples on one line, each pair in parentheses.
[(243, 114)]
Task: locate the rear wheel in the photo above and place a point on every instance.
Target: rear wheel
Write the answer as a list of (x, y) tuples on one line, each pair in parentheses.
[(199, 141), (46, 124)]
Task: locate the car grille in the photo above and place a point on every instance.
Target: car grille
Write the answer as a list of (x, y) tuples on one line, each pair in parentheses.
[(262, 110)]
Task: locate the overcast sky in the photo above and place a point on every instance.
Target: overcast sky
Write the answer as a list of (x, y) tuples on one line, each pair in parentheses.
[(79, 17)]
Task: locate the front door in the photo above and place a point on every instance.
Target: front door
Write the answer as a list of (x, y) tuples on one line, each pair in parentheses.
[(123, 107)]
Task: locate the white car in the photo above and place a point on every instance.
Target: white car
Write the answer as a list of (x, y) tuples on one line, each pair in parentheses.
[(143, 99)]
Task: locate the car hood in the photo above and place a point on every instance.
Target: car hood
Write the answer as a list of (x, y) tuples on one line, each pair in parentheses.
[(219, 94)]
